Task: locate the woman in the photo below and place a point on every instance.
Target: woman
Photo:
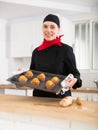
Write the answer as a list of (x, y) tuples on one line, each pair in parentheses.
[(53, 56)]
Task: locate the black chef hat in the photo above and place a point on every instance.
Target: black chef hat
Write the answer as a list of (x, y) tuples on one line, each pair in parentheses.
[(52, 18)]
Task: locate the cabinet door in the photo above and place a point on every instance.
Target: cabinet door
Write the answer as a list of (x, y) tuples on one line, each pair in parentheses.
[(83, 126), (24, 38), (15, 92), (83, 96), (95, 97)]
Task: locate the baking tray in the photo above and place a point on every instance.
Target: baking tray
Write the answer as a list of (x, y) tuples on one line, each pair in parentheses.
[(56, 89)]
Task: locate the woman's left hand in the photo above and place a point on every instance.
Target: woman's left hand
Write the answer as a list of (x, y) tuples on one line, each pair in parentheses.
[(71, 82)]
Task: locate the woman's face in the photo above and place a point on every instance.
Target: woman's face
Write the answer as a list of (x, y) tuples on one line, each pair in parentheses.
[(50, 30)]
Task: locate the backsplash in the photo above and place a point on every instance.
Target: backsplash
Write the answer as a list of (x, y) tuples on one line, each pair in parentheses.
[(88, 78), (15, 64)]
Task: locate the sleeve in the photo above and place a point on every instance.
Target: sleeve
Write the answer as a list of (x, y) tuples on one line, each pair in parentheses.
[(32, 64), (70, 62)]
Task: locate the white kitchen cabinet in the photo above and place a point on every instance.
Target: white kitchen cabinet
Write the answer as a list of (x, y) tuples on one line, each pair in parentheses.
[(9, 121), (6, 124), (58, 129), (85, 96), (29, 126), (24, 37), (17, 92), (83, 126), (93, 96), (1, 91)]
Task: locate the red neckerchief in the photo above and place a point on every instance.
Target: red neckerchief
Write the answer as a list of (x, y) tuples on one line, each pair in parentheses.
[(46, 44)]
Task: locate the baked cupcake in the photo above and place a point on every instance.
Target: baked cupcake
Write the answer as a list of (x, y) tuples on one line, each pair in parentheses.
[(22, 79), (29, 74), (35, 82), (49, 84), (41, 77), (55, 80)]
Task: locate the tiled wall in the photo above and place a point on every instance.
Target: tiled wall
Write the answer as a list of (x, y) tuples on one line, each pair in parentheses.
[(88, 78)]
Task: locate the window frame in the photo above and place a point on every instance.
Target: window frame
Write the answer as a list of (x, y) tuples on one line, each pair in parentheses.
[(90, 22)]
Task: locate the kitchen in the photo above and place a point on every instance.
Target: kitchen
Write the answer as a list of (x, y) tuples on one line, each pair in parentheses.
[(25, 16)]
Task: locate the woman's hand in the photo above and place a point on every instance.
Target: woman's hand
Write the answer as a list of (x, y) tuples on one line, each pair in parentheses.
[(71, 82)]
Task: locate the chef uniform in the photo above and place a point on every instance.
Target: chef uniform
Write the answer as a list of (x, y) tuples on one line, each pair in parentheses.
[(57, 58)]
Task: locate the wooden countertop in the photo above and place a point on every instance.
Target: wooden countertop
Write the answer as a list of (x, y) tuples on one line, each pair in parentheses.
[(8, 86), (85, 90), (49, 107)]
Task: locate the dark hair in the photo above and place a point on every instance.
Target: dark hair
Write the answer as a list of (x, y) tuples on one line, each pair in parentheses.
[(52, 18)]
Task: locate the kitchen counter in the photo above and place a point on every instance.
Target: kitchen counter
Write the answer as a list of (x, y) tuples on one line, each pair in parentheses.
[(49, 107), (82, 89), (28, 113), (9, 86), (86, 90)]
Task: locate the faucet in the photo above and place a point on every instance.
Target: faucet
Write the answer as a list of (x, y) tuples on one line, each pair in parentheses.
[(96, 82)]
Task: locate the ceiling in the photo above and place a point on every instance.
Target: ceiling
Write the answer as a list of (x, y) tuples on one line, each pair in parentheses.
[(73, 9)]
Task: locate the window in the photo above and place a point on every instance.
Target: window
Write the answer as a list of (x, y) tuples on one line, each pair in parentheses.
[(95, 45), (86, 45), (82, 45)]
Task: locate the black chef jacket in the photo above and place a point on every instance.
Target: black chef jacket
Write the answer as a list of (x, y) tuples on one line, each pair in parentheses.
[(56, 60)]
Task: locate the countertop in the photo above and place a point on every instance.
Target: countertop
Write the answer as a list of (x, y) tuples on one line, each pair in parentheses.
[(82, 89), (86, 90), (49, 107)]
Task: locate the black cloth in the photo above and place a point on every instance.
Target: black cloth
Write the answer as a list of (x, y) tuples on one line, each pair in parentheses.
[(52, 18), (57, 60)]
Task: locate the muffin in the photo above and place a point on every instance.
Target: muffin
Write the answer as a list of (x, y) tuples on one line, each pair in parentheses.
[(35, 82), (29, 74), (55, 80), (41, 77), (49, 84), (22, 79)]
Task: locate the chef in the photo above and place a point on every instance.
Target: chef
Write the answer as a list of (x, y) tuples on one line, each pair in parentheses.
[(55, 57)]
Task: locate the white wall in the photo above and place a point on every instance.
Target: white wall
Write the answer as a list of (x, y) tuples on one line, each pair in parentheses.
[(18, 63), (3, 57), (67, 28)]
